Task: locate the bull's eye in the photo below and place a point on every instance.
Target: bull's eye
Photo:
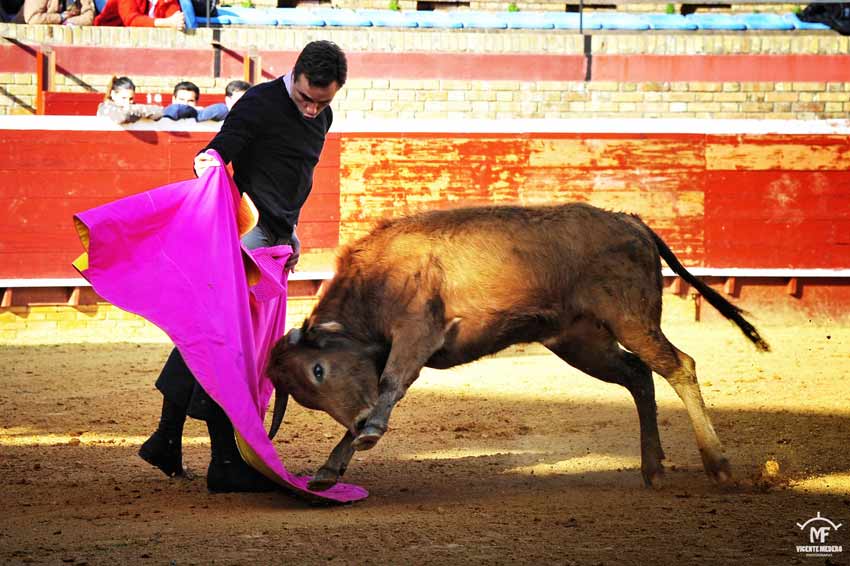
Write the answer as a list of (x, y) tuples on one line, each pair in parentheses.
[(319, 373)]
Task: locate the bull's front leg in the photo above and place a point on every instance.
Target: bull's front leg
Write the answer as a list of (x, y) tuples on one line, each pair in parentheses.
[(412, 345), (329, 474), (391, 390)]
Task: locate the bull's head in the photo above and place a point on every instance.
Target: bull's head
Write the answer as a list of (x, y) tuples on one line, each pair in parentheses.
[(324, 369)]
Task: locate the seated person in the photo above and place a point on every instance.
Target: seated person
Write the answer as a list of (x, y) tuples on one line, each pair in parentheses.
[(218, 111), (184, 101), (142, 13), (70, 12), (119, 103)]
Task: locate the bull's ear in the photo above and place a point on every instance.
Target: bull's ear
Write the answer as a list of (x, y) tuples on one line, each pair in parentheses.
[(322, 334)]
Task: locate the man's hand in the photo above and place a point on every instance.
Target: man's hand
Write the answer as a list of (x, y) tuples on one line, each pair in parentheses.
[(296, 252), (204, 161), (176, 20)]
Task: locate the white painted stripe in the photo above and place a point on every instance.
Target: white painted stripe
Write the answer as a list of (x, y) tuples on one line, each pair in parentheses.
[(80, 282), (101, 124), (527, 126), (325, 275), (599, 126), (756, 272)]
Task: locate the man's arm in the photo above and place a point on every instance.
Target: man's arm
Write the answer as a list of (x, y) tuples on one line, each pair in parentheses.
[(36, 12), (85, 17), (240, 127)]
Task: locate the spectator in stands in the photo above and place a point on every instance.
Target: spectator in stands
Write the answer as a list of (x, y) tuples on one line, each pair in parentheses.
[(119, 103), (274, 137), (142, 13), (187, 93), (218, 111), (65, 12), (184, 101)]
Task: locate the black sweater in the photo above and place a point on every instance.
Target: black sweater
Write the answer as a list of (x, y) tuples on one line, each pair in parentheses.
[(274, 150)]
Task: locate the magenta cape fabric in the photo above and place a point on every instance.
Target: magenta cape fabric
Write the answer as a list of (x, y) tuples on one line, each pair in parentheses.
[(172, 255)]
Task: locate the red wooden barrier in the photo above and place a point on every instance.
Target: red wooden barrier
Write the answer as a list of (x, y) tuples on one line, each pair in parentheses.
[(85, 103), (720, 200), (50, 175)]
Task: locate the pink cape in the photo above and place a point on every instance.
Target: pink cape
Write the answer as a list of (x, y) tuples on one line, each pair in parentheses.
[(172, 255)]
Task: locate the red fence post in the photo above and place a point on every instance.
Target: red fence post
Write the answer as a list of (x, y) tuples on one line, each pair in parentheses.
[(45, 72)]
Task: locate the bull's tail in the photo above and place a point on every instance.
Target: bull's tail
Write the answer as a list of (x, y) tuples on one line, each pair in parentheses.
[(716, 300)]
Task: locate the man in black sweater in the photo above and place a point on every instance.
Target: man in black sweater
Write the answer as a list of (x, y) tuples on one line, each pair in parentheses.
[(273, 135)]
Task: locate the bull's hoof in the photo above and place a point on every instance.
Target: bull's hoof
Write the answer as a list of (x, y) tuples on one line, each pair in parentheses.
[(324, 479), (653, 478), (367, 438), (719, 470)]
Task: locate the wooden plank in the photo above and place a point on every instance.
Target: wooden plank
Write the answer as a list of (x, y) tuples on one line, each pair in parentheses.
[(780, 153), (598, 152), (109, 185), (87, 156), (388, 176), (777, 219)]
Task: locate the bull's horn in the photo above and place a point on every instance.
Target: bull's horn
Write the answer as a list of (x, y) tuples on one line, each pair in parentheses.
[(280, 399), (332, 326), (293, 337)]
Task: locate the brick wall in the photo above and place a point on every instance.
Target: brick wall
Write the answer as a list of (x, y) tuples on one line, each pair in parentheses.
[(727, 95)]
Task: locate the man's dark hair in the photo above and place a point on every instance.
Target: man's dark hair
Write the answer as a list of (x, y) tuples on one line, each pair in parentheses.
[(236, 86), (322, 62), (190, 86), (121, 83)]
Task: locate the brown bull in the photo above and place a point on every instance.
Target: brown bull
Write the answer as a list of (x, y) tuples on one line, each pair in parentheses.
[(448, 287)]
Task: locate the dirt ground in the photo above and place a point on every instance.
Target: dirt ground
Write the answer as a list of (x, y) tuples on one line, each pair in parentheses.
[(513, 459)]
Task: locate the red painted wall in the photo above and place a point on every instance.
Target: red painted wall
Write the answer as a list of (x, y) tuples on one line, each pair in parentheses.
[(50, 175), (772, 201), (136, 61)]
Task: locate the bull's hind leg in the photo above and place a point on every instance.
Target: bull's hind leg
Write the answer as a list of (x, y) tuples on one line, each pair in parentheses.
[(594, 351), (679, 370)]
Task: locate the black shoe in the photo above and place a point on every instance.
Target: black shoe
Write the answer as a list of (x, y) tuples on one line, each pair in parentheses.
[(163, 453), (237, 476)]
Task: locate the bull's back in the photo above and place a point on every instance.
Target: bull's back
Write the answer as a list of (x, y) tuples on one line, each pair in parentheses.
[(511, 274)]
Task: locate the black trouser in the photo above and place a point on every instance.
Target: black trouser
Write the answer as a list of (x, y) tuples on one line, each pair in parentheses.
[(179, 386)]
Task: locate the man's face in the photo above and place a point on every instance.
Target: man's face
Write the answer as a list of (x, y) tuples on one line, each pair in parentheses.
[(185, 97), (231, 100), (123, 98), (311, 100)]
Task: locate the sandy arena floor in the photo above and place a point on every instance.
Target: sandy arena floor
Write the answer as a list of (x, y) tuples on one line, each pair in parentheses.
[(514, 459)]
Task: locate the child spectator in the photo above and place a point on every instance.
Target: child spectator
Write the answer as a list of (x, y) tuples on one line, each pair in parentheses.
[(142, 13), (119, 103), (218, 111), (66, 12)]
